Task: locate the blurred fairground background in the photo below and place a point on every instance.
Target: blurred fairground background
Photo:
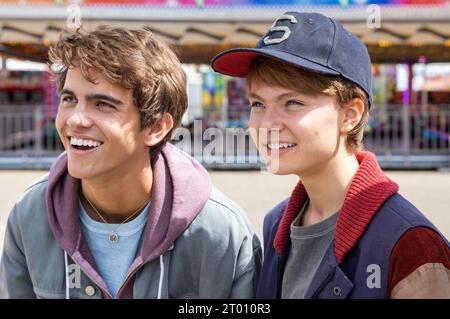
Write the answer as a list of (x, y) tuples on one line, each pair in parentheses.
[(408, 41)]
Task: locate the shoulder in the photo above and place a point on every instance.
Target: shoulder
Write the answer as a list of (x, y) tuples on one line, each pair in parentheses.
[(393, 219), (27, 222), (398, 203), (35, 189), (399, 210), (31, 204), (220, 230), (221, 211)]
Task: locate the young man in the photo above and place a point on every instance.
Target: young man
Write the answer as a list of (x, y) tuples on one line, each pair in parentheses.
[(122, 213), (345, 232)]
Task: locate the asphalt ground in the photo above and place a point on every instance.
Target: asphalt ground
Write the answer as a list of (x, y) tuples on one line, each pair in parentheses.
[(257, 192)]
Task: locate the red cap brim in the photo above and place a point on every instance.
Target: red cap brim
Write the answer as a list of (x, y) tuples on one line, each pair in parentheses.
[(234, 62)]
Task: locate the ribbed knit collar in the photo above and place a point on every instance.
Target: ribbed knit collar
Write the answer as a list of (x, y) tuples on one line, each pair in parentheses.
[(369, 189)]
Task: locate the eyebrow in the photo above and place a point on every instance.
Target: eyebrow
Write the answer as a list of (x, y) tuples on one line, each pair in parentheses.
[(279, 97), (91, 97)]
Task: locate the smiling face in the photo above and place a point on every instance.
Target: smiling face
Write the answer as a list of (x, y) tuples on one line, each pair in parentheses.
[(306, 125), (100, 127)]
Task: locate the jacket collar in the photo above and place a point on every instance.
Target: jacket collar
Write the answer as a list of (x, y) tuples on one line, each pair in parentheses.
[(369, 189)]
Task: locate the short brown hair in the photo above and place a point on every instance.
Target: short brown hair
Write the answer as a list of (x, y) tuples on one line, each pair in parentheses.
[(133, 59), (274, 72)]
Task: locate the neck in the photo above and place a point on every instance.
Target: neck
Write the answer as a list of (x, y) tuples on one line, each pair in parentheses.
[(118, 198), (327, 187)]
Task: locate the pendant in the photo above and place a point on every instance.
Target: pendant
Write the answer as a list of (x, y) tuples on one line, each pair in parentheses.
[(114, 238)]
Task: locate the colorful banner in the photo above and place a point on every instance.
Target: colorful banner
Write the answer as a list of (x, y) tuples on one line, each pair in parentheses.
[(206, 3), (213, 89), (213, 94)]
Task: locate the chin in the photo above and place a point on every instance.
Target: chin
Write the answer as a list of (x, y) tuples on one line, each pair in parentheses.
[(280, 169), (276, 168), (79, 171), (75, 171)]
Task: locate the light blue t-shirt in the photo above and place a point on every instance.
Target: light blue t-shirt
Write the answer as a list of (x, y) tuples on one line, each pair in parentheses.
[(113, 258)]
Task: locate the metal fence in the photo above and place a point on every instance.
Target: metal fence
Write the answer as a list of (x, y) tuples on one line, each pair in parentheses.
[(414, 136), (410, 137)]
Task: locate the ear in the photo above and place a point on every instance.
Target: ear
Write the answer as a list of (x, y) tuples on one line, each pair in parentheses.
[(156, 133), (352, 113)]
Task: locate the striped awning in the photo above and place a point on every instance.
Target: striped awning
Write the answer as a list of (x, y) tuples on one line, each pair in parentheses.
[(199, 41), (239, 33)]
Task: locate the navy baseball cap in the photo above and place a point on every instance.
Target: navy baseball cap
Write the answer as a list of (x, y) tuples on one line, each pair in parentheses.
[(307, 40)]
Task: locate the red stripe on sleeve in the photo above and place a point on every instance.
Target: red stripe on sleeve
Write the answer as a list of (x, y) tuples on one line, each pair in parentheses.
[(417, 246)]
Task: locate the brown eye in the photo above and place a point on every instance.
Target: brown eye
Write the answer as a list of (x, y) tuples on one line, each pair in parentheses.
[(294, 103), (67, 99), (104, 104)]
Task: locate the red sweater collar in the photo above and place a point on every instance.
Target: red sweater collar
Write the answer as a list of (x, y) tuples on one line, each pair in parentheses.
[(368, 190)]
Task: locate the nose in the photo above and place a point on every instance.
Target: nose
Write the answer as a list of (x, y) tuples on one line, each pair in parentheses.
[(271, 119), (265, 125), (79, 118)]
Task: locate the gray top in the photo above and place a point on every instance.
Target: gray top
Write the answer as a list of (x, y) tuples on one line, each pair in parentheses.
[(308, 246)]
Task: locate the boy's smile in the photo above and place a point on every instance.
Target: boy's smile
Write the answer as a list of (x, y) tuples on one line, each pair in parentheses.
[(280, 148), (82, 145)]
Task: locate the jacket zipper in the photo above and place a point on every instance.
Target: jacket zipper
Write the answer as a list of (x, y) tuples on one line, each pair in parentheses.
[(127, 279)]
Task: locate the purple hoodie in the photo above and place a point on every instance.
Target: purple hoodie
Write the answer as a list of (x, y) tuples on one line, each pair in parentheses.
[(181, 187)]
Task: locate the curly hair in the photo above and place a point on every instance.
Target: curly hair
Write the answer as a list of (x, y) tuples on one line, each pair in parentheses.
[(133, 59)]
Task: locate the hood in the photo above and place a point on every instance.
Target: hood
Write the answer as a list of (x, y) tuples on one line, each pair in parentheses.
[(181, 187)]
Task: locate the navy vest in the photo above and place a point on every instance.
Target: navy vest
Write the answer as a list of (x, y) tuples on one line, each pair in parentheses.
[(364, 270)]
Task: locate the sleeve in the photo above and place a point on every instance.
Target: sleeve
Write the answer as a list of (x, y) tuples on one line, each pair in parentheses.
[(15, 281), (248, 266), (419, 266)]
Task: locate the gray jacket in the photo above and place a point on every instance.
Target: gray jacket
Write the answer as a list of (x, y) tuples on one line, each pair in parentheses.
[(197, 243)]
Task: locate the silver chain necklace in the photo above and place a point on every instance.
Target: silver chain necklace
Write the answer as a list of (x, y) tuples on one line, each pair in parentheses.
[(114, 236)]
